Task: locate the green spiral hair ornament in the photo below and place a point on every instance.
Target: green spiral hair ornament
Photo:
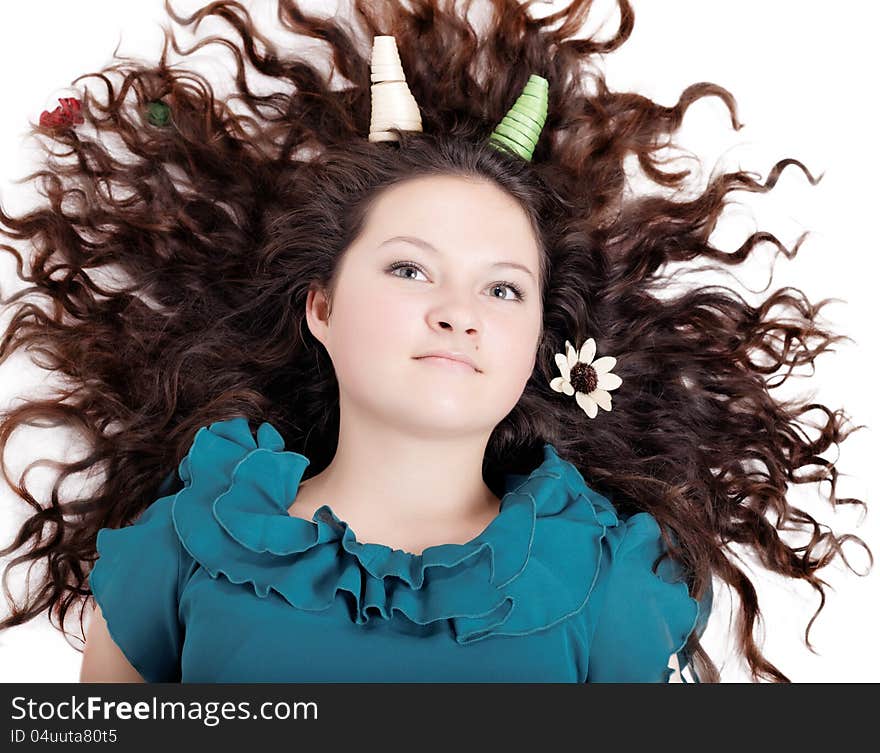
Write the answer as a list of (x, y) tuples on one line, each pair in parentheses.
[(520, 129)]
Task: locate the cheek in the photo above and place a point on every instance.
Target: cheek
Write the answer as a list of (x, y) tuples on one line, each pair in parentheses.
[(373, 332), (509, 344), (514, 360)]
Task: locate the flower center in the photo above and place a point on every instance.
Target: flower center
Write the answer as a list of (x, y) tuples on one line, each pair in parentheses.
[(583, 378)]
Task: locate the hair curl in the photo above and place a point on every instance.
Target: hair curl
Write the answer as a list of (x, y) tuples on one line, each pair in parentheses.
[(220, 221)]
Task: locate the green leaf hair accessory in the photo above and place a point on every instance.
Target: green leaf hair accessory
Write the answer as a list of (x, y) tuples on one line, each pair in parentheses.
[(158, 113), (393, 105), (588, 380), (520, 129)]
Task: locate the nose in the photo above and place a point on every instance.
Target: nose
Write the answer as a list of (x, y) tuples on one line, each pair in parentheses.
[(446, 325), (454, 314)]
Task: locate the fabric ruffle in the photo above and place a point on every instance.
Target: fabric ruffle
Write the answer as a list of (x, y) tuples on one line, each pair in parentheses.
[(533, 566)]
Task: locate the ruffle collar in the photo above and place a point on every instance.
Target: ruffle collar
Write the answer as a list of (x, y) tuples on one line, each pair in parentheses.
[(232, 517)]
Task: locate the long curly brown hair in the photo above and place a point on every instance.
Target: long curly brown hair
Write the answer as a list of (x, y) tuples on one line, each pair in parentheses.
[(219, 220)]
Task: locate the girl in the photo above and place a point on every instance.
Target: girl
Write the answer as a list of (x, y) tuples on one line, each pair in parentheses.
[(389, 391)]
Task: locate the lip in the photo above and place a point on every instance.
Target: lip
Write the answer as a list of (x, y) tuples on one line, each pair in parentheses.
[(447, 355)]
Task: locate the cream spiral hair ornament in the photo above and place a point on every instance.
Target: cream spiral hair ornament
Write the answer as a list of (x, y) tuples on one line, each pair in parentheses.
[(393, 105)]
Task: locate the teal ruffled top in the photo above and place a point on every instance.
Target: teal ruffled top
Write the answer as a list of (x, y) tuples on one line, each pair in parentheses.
[(219, 583)]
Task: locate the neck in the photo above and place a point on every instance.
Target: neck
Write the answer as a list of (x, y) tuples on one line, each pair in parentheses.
[(382, 471)]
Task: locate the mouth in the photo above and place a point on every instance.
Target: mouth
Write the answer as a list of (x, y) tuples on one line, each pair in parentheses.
[(448, 363)]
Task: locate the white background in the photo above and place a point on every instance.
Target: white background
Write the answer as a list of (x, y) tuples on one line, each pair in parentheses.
[(801, 73)]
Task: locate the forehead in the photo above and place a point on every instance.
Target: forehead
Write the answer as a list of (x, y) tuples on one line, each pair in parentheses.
[(455, 214)]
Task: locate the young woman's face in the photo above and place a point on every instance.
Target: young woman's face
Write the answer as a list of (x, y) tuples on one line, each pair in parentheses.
[(455, 298)]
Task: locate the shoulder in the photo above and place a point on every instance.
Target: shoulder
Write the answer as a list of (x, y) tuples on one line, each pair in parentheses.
[(643, 615), (137, 581), (150, 542)]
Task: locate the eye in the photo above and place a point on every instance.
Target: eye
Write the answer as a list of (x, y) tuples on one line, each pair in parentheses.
[(403, 265), (519, 295)]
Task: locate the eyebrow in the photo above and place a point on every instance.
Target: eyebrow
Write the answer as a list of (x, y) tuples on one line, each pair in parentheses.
[(421, 243)]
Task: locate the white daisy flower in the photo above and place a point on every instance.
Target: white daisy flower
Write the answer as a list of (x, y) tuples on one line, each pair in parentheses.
[(588, 380)]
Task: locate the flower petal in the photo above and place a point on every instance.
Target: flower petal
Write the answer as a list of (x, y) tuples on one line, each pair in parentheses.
[(587, 403), (609, 381), (567, 388), (606, 363), (562, 363), (557, 383), (602, 398), (588, 351), (571, 353)]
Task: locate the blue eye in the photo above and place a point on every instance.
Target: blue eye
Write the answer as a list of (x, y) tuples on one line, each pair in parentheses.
[(517, 290)]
